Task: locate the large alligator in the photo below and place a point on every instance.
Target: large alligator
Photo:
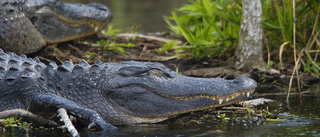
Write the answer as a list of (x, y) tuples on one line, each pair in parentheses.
[(27, 25), (107, 94)]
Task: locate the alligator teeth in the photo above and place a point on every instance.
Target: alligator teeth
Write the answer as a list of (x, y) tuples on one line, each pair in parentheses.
[(236, 95), (220, 101), (248, 94), (96, 28)]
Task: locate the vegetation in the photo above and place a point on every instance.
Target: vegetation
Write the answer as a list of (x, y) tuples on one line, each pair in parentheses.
[(12, 122), (279, 24), (112, 45), (212, 27), (110, 31)]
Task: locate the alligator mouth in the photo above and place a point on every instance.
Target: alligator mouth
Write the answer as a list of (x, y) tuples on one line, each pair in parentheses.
[(94, 24), (150, 100), (220, 99), (244, 93), (215, 101), (87, 25)]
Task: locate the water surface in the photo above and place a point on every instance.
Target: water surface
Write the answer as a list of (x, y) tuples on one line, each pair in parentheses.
[(147, 14), (302, 114)]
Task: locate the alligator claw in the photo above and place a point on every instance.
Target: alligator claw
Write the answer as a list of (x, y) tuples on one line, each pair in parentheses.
[(102, 125)]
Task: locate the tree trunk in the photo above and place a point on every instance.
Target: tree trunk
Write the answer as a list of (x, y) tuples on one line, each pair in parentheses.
[(249, 50)]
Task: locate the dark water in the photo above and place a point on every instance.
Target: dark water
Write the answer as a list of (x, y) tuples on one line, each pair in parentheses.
[(302, 114), (147, 14)]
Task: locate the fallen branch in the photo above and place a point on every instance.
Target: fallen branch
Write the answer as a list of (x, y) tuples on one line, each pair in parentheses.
[(164, 40), (293, 72), (65, 118), (37, 119), (255, 102)]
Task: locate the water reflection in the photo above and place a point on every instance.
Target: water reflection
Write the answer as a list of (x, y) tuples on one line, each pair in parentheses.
[(147, 14)]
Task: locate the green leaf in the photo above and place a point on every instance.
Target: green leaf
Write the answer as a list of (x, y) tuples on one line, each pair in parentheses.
[(172, 27), (207, 6), (267, 25), (110, 31), (185, 32), (281, 21)]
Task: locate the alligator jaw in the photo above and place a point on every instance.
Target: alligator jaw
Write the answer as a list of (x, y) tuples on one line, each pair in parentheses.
[(153, 93), (219, 99), (60, 22), (91, 25), (216, 102)]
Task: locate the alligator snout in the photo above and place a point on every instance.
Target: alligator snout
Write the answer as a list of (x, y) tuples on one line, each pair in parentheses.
[(245, 83)]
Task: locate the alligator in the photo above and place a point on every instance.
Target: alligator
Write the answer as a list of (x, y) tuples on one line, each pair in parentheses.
[(110, 94), (28, 25)]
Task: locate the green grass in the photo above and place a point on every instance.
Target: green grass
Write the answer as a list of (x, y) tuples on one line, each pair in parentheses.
[(110, 31), (112, 45)]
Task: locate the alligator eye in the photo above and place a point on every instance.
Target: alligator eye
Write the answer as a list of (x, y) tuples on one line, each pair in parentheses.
[(34, 19), (132, 71), (157, 72)]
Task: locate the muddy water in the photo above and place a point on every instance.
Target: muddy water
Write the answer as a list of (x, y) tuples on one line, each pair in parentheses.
[(146, 14)]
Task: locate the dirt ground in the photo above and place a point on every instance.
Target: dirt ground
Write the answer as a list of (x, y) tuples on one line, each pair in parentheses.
[(146, 50)]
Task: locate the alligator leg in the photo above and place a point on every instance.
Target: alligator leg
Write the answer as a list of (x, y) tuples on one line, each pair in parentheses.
[(49, 100)]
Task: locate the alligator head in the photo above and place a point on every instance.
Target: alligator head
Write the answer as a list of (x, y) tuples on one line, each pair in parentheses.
[(60, 22), (27, 25), (144, 92)]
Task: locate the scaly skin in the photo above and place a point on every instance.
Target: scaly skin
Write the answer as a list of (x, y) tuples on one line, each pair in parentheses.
[(110, 93), (28, 25)]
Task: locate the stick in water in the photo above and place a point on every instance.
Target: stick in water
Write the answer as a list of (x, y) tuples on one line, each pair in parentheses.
[(64, 116)]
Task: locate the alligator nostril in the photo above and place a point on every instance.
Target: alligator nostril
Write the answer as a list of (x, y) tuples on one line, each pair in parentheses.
[(98, 6), (10, 11)]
